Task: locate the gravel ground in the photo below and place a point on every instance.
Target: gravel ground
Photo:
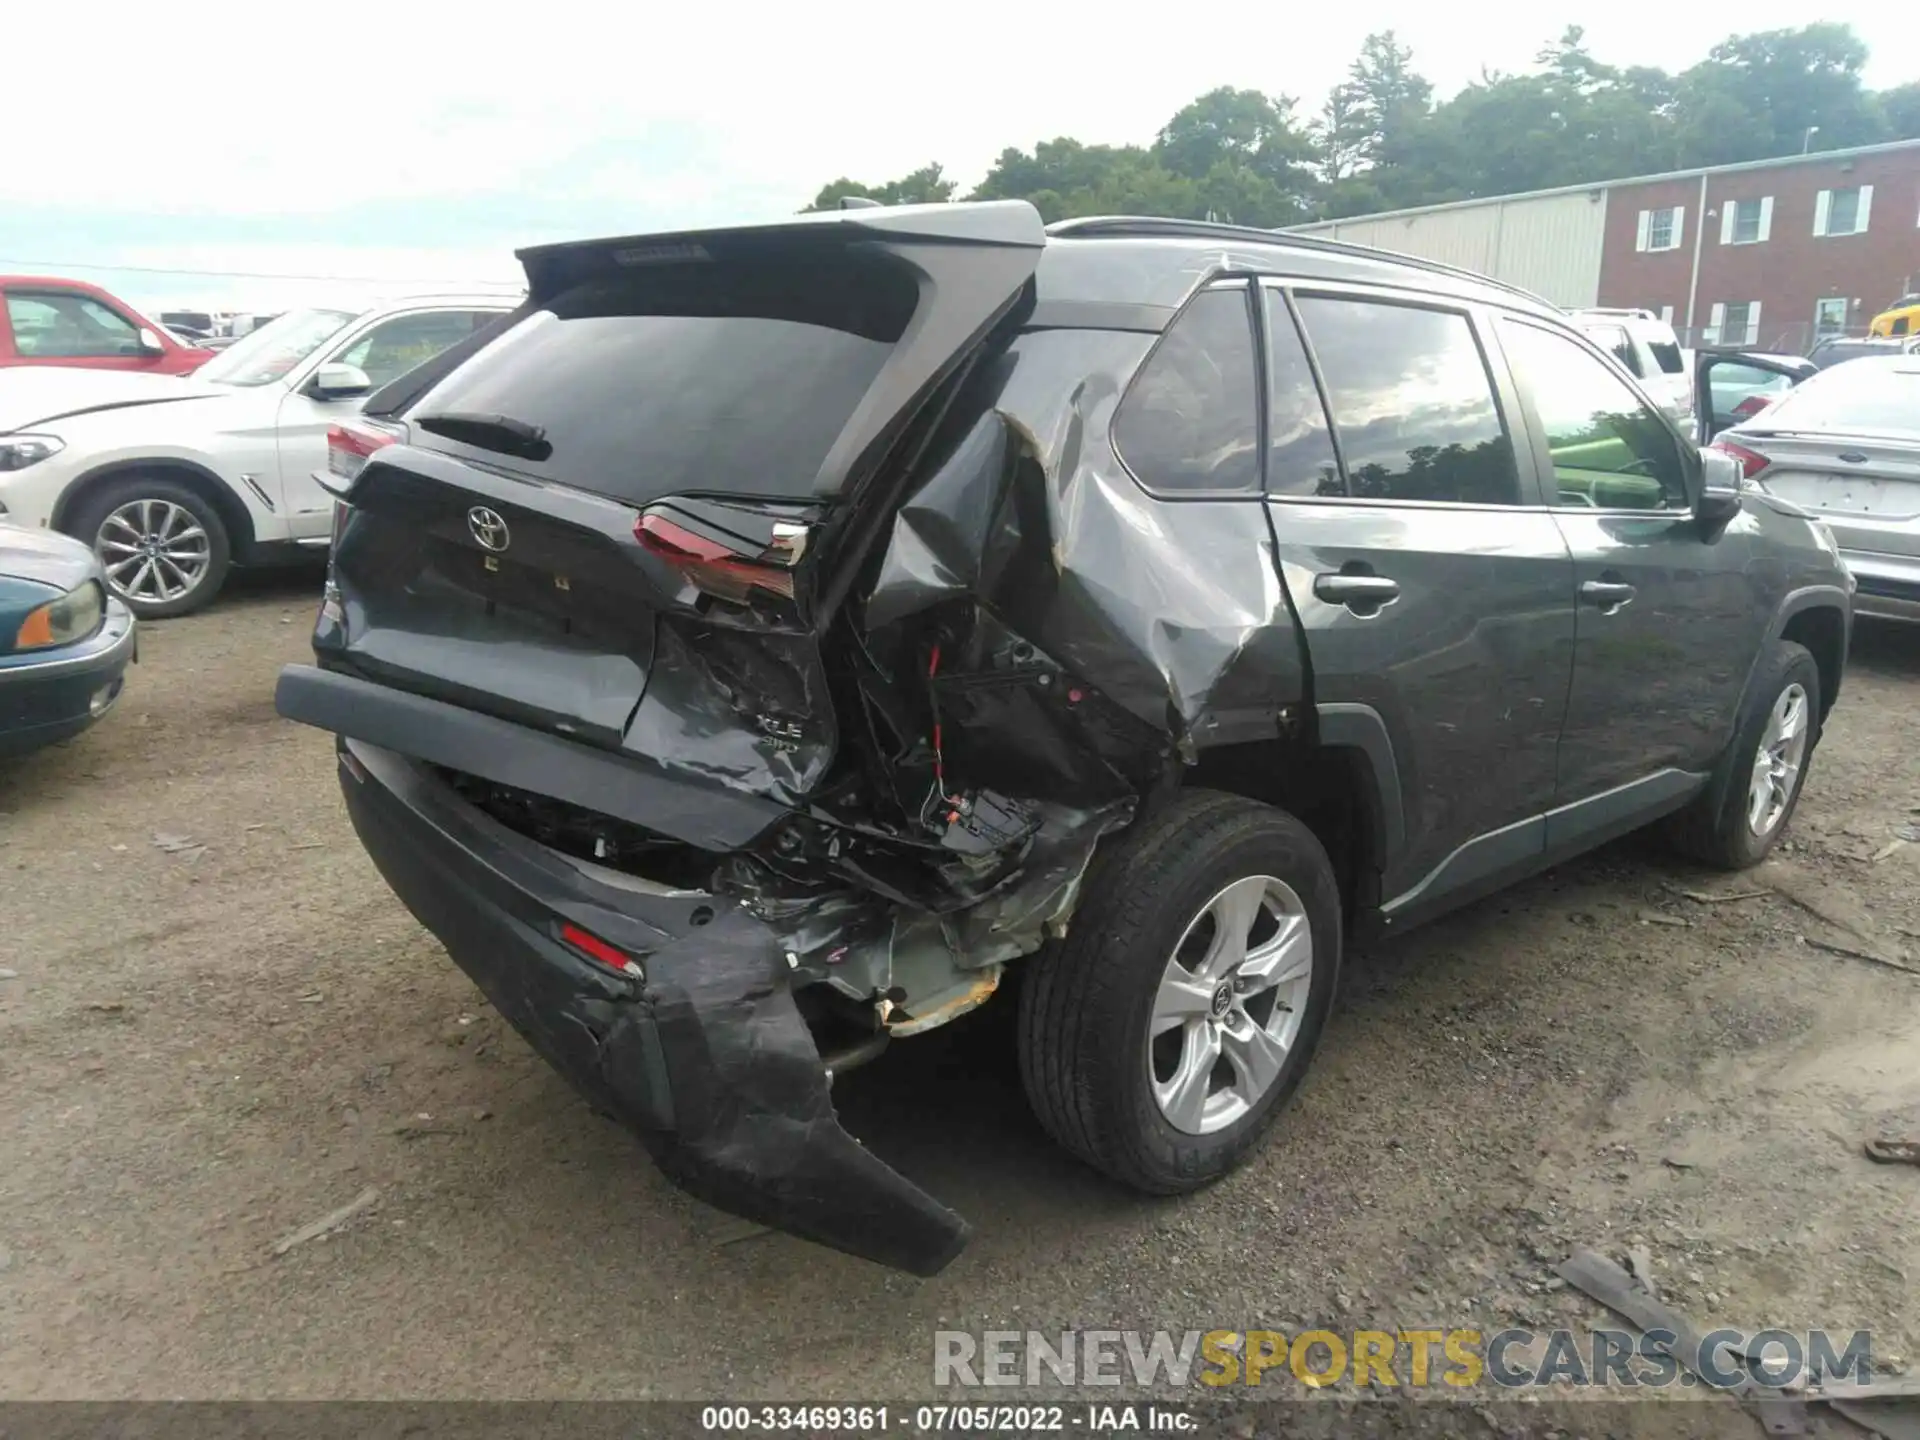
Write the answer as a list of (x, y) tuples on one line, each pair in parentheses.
[(207, 1043)]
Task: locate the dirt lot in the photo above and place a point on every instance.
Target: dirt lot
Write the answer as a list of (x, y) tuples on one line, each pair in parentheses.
[(200, 1050)]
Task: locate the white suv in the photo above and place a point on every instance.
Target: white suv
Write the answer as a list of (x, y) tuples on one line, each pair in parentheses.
[(173, 480), (1647, 346)]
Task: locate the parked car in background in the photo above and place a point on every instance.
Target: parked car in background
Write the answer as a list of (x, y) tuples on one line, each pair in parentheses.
[(1900, 318), (196, 322), (775, 633), (1840, 349), (69, 324), (65, 642), (1648, 347), (172, 481), (1845, 446), (1741, 391)]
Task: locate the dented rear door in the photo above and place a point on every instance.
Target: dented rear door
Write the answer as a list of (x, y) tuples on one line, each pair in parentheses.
[(1434, 591)]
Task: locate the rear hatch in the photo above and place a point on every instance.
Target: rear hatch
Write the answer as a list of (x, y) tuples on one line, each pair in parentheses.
[(630, 518)]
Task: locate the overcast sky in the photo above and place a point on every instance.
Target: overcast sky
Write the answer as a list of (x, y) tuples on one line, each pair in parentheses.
[(406, 144)]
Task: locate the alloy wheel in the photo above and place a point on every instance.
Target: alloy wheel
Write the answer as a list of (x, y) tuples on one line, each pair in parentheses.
[(153, 550), (1777, 761), (1229, 1005)]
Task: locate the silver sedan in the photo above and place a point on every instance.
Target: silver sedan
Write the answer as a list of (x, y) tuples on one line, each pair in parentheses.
[(1845, 446)]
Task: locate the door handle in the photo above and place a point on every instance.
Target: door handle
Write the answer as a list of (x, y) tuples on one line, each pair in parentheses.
[(1609, 595), (1368, 592)]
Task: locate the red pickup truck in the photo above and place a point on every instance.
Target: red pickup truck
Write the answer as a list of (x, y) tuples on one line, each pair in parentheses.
[(46, 321)]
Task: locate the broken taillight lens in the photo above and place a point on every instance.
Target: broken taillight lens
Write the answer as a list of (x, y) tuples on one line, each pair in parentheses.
[(600, 952), (722, 570)]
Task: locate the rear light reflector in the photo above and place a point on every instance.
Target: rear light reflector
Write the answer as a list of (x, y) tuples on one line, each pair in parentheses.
[(717, 569), (1752, 462), (600, 952), (350, 446)]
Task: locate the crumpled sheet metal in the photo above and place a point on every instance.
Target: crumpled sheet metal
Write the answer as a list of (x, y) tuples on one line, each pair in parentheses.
[(754, 1130), (704, 680), (863, 946), (1174, 609)]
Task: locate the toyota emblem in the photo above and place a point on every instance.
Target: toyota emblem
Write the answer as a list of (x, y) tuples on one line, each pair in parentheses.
[(489, 529)]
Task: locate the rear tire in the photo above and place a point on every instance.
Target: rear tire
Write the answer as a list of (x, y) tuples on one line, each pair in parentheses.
[(1110, 1072), (165, 547), (1764, 769)]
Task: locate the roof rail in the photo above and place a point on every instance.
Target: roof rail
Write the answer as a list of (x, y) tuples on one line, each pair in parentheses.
[(1640, 314), (1155, 227)]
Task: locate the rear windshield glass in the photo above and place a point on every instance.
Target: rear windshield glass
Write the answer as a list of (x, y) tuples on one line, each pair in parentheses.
[(1835, 354), (1667, 356), (1861, 399), (684, 379)]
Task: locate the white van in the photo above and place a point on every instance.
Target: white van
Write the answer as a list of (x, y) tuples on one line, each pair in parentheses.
[(1647, 346)]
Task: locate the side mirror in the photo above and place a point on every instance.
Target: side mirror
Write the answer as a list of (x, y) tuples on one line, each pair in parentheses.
[(149, 343), (339, 382), (1721, 484)]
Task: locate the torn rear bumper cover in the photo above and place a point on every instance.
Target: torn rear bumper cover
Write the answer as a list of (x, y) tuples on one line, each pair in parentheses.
[(707, 1058)]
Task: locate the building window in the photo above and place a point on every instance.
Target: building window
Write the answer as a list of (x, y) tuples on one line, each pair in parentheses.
[(1746, 222), (1842, 212), (1830, 317), (1735, 323), (1661, 229)]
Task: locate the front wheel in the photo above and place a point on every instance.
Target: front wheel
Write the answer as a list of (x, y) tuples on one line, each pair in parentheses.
[(1161, 1038), (1765, 768), (164, 548)]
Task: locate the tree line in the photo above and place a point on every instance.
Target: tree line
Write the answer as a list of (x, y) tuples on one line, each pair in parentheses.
[(1380, 141)]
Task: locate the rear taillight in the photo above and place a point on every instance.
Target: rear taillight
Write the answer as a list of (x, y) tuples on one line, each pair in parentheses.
[(726, 571), (600, 952), (350, 446), (1752, 462), (1752, 406)]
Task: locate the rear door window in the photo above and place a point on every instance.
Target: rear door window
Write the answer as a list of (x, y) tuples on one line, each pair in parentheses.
[(714, 379), (1300, 454), (1666, 354), (1189, 423), (1412, 402)]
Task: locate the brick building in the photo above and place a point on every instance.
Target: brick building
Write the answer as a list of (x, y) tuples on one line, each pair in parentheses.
[(1771, 253)]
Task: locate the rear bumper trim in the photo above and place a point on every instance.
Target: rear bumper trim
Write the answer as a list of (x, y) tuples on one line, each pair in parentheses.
[(1886, 587), (707, 1059), (627, 788)]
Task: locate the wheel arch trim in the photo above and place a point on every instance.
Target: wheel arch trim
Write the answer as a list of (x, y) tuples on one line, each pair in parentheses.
[(233, 511), (1351, 726)]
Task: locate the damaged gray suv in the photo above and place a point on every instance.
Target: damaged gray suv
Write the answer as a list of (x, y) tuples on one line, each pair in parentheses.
[(771, 643)]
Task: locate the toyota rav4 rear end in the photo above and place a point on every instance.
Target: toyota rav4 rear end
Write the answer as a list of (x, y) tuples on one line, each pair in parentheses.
[(737, 661)]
